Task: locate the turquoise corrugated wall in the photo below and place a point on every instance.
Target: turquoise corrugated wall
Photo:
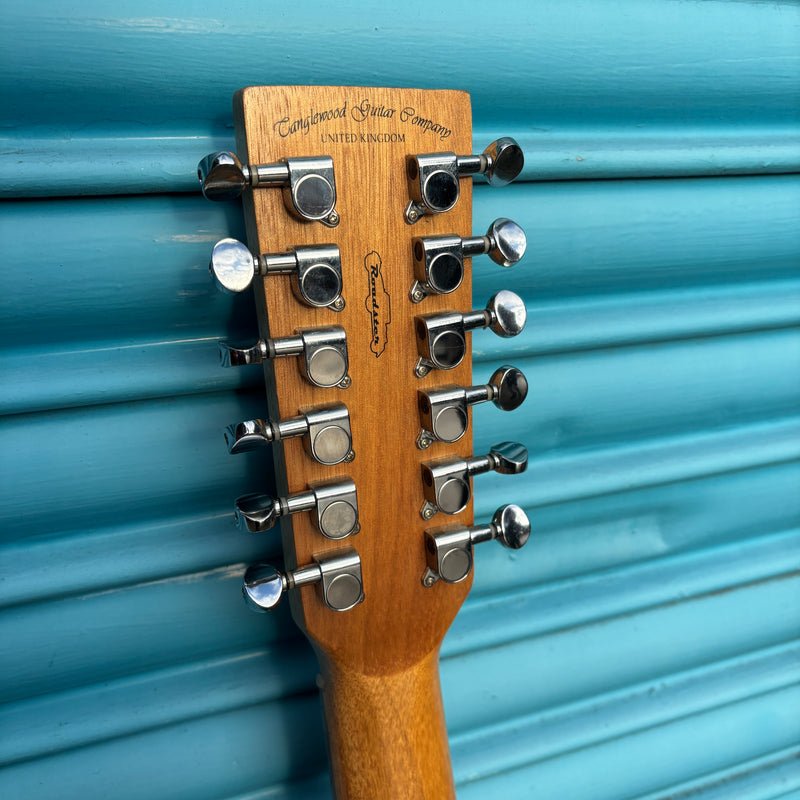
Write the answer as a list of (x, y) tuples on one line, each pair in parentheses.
[(645, 644)]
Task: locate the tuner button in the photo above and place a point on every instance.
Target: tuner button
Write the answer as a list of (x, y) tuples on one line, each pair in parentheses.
[(249, 435), (508, 313), (507, 242), (505, 161), (255, 512), (263, 587), (510, 388), (232, 266), (222, 176), (511, 526), (231, 355), (510, 458)]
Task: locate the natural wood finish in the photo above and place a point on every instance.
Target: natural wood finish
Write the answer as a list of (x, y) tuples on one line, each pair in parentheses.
[(386, 733), (379, 659)]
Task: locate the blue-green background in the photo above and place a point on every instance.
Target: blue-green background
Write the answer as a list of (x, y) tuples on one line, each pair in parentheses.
[(645, 644)]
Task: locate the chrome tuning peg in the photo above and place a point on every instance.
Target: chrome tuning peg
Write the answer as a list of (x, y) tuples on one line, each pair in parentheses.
[(317, 271), (443, 410), (440, 336), (446, 484), (309, 185), (322, 351), (449, 549), (333, 503), (439, 260), (337, 574), (433, 178), (325, 431)]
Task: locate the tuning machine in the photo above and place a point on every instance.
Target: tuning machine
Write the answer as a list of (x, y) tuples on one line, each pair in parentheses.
[(337, 574), (334, 505), (449, 549), (439, 260), (433, 178), (446, 481), (443, 410), (317, 271), (322, 352), (309, 185), (441, 337), (325, 431)]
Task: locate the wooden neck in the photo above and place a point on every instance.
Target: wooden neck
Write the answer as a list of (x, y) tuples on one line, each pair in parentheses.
[(386, 733)]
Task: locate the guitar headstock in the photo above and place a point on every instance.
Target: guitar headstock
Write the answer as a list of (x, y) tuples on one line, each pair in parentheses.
[(348, 251)]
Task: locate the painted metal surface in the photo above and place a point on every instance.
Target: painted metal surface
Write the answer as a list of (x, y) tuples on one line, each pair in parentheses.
[(645, 644)]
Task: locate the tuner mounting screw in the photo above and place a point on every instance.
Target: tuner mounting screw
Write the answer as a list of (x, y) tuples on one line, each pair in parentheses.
[(338, 303), (424, 441), (421, 369), (333, 219), (428, 510), (350, 456), (429, 578), (345, 382), (417, 295)]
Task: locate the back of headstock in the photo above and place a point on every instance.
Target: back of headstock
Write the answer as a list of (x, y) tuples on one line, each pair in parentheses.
[(409, 421)]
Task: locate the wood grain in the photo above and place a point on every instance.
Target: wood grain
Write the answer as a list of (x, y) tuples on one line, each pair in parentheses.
[(379, 659)]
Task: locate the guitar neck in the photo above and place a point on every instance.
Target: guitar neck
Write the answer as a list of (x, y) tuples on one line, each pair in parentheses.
[(386, 733)]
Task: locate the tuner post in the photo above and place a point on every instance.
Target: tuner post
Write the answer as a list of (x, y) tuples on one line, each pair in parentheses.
[(448, 550), (433, 178), (336, 573), (308, 184)]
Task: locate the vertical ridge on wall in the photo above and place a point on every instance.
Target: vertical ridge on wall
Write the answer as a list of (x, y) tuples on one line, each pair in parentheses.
[(644, 645)]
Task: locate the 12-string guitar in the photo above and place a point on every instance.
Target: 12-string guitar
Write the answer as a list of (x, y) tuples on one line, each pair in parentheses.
[(358, 205)]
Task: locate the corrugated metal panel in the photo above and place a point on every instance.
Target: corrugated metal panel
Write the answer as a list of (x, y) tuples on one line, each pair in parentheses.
[(645, 644)]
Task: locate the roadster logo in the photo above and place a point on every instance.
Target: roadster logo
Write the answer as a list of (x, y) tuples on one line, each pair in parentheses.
[(377, 304)]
